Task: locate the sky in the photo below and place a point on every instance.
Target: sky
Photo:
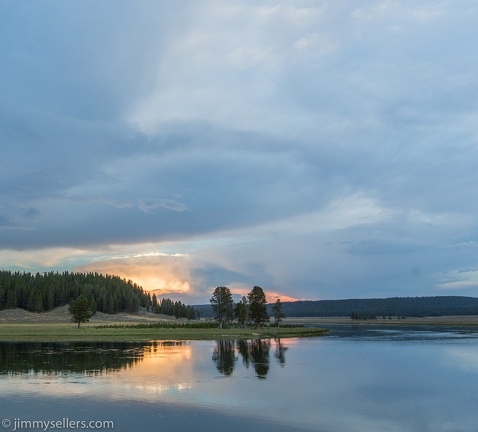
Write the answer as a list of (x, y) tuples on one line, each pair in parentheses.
[(318, 149)]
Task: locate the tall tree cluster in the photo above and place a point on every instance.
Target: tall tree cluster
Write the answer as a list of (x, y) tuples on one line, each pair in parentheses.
[(258, 306), (250, 309), (177, 309), (222, 305), (44, 291)]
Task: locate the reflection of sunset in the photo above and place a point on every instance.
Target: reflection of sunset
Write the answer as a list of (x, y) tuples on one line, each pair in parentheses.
[(161, 360), (162, 365), (288, 342), (180, 373), (162, 368)]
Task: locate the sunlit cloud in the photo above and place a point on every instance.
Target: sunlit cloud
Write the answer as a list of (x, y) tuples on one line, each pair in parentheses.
[(241, 290), (156, 272)]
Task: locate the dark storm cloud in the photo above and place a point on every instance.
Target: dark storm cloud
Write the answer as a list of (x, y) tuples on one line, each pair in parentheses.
[(324, 149)]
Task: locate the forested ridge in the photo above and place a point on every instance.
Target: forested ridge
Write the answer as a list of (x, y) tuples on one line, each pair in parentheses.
[(42, 292), (394, 306)]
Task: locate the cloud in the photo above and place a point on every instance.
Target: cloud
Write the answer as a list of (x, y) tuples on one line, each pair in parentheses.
[(177, 276), (4, 222), (51, 258), (459, 280), (161, 273), (320, 151), (228, 64), (148, 205)]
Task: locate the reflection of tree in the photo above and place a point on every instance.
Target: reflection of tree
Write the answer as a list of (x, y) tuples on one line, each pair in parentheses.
[(256, 352), (260, 356), (80, 357), (280, 352), (244, 351), (224, 356)]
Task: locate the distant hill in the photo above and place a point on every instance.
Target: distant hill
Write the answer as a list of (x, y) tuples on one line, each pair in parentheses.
[(42, 292), (401, 306)]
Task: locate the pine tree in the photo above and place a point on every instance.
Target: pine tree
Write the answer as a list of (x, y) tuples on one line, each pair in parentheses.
[(277, 312), (93, 305), (11, 299), (241, 312), (80, 310), (257, 306), (222, 305), (154, 302)]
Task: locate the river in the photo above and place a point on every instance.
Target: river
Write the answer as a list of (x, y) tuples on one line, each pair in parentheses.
[(360, 378)]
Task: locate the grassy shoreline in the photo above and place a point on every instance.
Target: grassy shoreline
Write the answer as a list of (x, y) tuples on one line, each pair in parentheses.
[(54, 332), (135, 328), (451, 320)]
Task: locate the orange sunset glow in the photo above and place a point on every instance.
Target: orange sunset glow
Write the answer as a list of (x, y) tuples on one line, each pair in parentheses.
[(166, 275), (158, 274)]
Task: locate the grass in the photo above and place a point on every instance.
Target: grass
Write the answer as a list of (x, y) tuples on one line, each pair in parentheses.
[(137, 333), (455, 320)]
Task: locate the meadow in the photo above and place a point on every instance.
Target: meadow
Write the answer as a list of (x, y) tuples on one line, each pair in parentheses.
[(68, 332)]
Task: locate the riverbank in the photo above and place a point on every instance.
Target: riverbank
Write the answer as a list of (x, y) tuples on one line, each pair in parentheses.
[(468, 320), (55, 326), (54, 332)]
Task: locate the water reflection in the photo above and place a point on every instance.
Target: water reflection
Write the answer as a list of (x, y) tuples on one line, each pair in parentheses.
[(259, 350), (280, 352), (94, 359), (401, 380), (225, 356), (255, 352), (50, 358)]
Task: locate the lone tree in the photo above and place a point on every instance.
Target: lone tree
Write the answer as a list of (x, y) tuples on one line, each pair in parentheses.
[(277, 312), (222, 305), (241, 311), (257, 306), (80, 310)]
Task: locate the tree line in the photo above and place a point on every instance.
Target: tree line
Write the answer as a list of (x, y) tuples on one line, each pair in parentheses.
[(177, 309), (251, 309), (393, 306), (42, 292)]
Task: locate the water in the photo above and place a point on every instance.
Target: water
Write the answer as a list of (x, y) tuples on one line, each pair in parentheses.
[(356, 379)]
